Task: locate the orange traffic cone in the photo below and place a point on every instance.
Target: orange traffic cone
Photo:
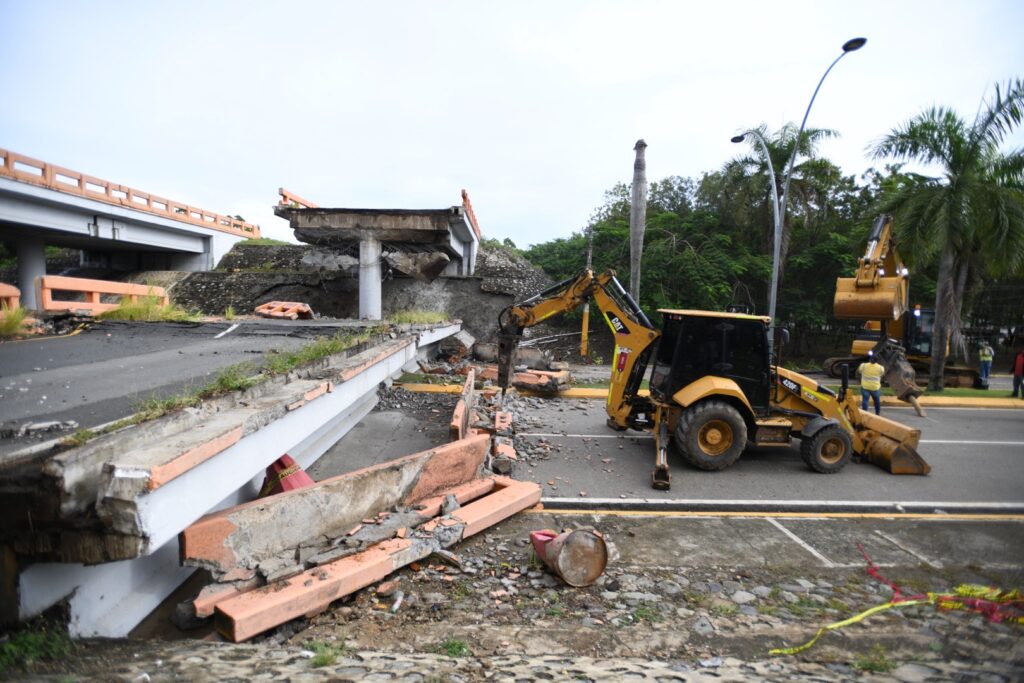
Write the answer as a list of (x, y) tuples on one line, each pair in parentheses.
[(284, 475)]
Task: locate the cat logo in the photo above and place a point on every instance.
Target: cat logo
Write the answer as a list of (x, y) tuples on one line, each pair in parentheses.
[(617, 325)]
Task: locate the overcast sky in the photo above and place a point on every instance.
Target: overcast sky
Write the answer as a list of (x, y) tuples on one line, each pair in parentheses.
[(533, 107)]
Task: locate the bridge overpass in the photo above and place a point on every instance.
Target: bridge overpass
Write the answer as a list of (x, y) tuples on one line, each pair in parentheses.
[(114, 226)]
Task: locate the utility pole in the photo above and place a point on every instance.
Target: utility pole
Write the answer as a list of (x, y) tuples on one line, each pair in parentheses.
[(586, 306), (637, 219)]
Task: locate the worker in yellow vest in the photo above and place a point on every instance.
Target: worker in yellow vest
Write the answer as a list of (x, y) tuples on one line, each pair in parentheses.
[(985, 354), (871, 384)]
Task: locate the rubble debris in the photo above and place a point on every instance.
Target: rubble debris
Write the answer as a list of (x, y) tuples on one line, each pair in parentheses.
[(536, 359), (30, 428), (290, 310), (458, 346), (579, 557), (423, 266)]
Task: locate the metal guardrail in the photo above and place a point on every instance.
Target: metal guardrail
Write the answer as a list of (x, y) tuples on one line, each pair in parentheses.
[(28, 170)]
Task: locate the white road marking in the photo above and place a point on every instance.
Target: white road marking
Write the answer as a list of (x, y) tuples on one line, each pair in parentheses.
[(934, 564), (802, 543), (549, 435), (975, 443), (230, 329), (792, 505), (588, 436)]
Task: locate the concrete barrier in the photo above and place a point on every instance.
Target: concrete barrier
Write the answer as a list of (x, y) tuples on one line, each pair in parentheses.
[(93, 291)]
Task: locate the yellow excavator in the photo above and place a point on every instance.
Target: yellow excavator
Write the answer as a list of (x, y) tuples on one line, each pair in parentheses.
[(713, 391), (899, 337)]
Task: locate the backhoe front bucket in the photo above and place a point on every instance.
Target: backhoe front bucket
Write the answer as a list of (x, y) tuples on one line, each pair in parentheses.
[(890, 445)]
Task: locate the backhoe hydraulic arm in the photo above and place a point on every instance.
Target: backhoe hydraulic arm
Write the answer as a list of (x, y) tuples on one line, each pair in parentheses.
[(633, 333)]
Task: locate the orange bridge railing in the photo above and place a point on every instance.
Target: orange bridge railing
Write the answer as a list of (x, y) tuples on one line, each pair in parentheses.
[(35, 172)]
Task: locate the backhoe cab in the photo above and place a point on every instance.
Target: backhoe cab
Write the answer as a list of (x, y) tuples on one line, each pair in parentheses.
[(713, 392)]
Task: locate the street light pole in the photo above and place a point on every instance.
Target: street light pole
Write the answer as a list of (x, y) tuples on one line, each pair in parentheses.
[(851, 45)]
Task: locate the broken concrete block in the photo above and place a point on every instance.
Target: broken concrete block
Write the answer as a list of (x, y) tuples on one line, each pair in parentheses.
[(423, 266), (249, 614), (289, 310), (250, 533), (457, 346), (501, 465)]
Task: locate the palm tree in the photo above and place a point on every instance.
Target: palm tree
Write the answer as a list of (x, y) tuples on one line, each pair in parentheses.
[(971, 215), (752, 170)]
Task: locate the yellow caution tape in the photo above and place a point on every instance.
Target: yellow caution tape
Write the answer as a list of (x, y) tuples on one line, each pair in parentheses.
[(984, 599)]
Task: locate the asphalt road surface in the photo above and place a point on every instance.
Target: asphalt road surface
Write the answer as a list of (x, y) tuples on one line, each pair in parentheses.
[(104, 372), (977, 458)]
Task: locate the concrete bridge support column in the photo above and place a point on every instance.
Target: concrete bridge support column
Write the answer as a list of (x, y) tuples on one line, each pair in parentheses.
[(369, 279), (31, 264)]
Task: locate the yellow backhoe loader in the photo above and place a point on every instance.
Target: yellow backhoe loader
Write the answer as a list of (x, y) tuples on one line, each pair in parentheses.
[(712, 389)]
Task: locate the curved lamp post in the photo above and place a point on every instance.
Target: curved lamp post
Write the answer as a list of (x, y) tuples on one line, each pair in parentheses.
[(779, 206)]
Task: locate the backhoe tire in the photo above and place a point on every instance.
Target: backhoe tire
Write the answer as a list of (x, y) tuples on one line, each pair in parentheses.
[(828, 450), (711, 435)]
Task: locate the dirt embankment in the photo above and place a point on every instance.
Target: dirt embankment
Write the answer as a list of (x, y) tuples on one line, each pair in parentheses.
[(327, 280)]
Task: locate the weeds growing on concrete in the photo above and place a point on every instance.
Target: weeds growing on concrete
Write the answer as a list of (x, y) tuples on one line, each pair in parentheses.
[(453, 647), (148, 309), (416, 317), (724, 610), (876, 661), (238, 377), (38, 642), (646, 613), (11, 321), (325, 654), (229, 312)]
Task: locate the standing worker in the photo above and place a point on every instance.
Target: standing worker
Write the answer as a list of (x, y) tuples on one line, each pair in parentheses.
[(871, 384), (1018, 373), (985, 354)]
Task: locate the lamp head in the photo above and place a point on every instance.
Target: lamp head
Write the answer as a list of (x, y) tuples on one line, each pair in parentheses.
[(739, 138), (854, 44)]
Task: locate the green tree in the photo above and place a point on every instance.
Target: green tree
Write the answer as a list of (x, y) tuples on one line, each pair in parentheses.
[(970, 217)]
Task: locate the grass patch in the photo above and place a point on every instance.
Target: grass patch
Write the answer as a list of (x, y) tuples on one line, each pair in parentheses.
[(229, 313), (416, 317), (148, 309), (263, 242), (646, 613), (724, 610), (453, 647), (320, 348), (876, 661), (39, 642), (325, 654), (11, 321)]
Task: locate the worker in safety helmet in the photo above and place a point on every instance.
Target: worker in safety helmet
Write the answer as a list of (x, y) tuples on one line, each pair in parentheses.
[(871, 374)]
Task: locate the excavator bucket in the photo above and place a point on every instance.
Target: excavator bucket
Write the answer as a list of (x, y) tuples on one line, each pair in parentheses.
[(881, 300), (890, 445)]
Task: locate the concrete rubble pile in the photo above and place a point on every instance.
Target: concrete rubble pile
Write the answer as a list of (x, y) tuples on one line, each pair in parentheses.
[(292, 554), (534, 370)]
